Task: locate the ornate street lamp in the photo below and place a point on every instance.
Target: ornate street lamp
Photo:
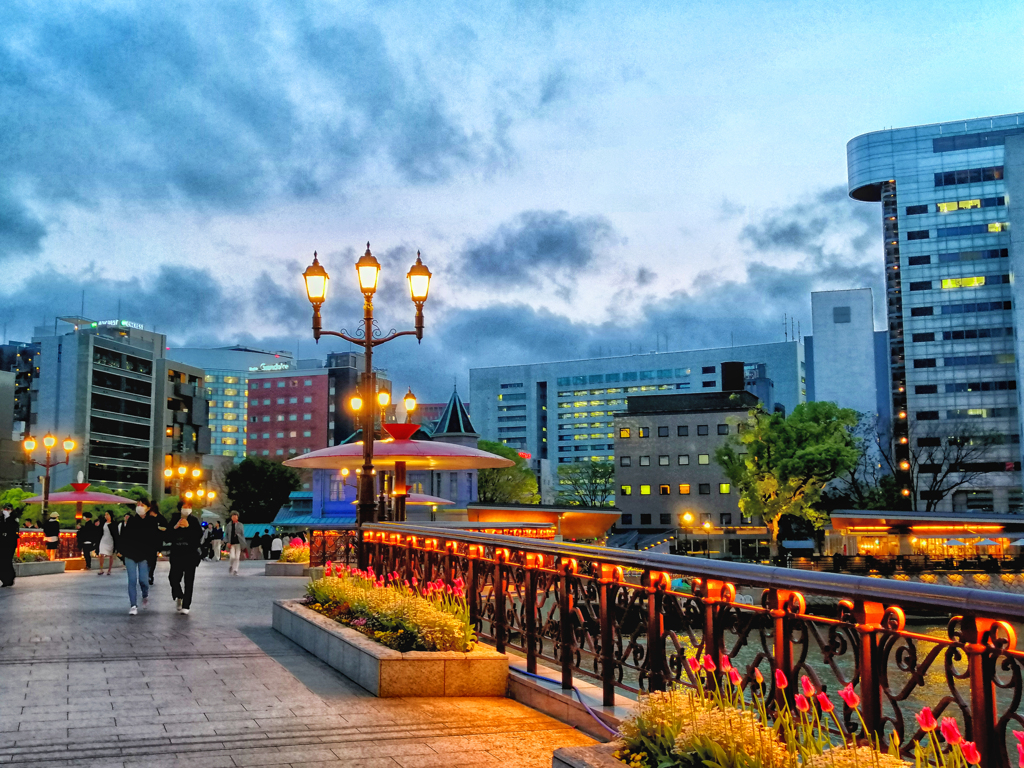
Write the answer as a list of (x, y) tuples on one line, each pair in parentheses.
[(49, 441), (409, 401), (368, 336)]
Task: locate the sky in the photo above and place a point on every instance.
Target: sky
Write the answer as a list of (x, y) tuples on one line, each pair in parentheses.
[(582, 178)]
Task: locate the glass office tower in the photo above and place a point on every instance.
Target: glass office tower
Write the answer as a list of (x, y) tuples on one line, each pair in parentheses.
[(947, 220)]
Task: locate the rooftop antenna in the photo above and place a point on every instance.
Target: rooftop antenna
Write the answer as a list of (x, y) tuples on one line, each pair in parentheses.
[(785, 326), (82, 313)]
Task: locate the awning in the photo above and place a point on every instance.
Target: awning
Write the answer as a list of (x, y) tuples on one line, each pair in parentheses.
[(955, 543), (309, 521), (798, 543), (987, 543)]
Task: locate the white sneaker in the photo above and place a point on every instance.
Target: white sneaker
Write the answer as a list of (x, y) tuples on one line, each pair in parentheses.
[(177, 604), (133, 611), (184, 610)]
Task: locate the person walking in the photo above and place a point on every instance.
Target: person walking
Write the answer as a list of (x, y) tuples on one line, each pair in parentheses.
[(134, 543), (51, 535), (84, 538), (185, 534), (265, 545), (234, 534), (108, 541), (276, 545), (157, 532), (217, 540), (8, 544)]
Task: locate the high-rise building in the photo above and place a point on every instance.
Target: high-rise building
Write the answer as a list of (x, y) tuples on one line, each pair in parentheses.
[(227, 373), (949, 243), (562, 412)]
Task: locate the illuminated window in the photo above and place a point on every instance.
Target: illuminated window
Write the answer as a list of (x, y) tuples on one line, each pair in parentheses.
[(645, 431), (703, 458), (230, 391), (963, 282), (228, 441), (684, 489), (684, 459), (228, 403), (645, 490), (230, 416), (292, 433), (625, 490), (664, 490), (723, 488), (228, 429), (230, 379), (957, 205)]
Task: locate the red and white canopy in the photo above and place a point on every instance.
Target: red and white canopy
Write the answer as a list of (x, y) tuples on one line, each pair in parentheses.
[(81, 496)]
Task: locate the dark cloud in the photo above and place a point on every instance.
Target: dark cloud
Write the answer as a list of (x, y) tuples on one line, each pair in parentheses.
[(211, 105), (536, 246)]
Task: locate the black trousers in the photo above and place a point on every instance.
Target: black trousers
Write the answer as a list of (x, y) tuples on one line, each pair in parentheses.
[(182, 568), (87, 554), (151, 560), (7, 566)]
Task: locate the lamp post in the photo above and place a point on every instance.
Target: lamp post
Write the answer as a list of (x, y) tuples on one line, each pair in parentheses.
[(49, 441), (688, 519), (187, 481), (369, 336), (410, 405), (707, 529)]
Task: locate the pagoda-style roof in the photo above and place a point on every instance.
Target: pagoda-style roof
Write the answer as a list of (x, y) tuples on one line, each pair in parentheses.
[(455, 419)]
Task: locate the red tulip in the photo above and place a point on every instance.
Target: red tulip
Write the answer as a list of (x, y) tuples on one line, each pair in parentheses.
[(735, 677), (950, 731), (758, 676), (709, 663), (971, 754), (926, 720), (805, 683), (825, 703), (694, 665), (848, 696), (1019, 736), (801, 702), (726, 663), (780, 679), (1020, 751)]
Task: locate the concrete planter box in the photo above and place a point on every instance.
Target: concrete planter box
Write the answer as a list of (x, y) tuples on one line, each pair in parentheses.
[(387, 673), (597, 756), (285, 569), (42, 568)]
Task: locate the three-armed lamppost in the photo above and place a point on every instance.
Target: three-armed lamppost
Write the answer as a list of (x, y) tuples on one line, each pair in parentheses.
[(370, 336), (49, 441), (188, 483)]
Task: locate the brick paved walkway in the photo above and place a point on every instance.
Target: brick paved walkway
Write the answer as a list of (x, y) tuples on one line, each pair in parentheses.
[(84, 684)]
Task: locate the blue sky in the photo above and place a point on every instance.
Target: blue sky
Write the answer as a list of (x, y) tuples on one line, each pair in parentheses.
[(582, 178)]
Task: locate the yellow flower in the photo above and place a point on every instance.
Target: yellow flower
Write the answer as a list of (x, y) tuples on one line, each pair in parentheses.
[(859, 757)]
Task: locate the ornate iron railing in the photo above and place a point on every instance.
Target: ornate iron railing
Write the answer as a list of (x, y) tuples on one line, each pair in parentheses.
[(630, 619)]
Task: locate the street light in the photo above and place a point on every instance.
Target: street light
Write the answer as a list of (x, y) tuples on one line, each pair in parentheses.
[(368, 336), (707, 529), (410, 405), (688, 519), (49, 441)]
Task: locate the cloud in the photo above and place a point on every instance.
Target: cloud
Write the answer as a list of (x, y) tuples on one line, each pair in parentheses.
[(534, 247)]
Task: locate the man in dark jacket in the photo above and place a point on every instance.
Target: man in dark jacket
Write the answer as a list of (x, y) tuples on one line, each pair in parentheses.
[(157, 532), (84, 538), (8, 545), (185, 534), (134, 544)]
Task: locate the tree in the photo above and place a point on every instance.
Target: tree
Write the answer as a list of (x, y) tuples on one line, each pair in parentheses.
[(586, 483), (508, 485), (869, 484), (944, 458), (788, 460), (258, 488)]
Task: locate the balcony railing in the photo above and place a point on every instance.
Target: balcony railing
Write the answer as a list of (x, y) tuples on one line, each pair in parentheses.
[(630, 619)]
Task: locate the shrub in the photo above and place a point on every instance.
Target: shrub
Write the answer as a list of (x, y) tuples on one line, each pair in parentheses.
[(295, 554), (398, 615), (30, 555)]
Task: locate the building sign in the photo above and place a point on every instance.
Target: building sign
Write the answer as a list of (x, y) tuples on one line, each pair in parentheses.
[(524, 454), (120, 324), (269, 367)]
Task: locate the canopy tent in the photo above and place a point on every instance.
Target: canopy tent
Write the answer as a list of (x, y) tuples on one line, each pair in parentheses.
[(81, 496), (986, 543), (955, 543), (1017, 543)]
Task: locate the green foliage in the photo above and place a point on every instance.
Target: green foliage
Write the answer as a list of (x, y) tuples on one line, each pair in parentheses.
[(507, 485), (586, 483), (28, 555), (258, 488), (781, 464), (16, 498), (292, 554)]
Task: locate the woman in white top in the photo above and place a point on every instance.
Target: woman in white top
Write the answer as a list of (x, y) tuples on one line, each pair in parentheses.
[(108, 541), (276, 545)]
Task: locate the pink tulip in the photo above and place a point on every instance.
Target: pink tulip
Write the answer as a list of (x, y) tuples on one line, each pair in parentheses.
[(694, 665), (758, 676), (726, 663), (709, 663), (848, 696), (415, 581), (735, 677), (950, 731), (926, 720), (801, 702), (406, 582), (971, 754), (825, 702), (780, 679), (808, 687)]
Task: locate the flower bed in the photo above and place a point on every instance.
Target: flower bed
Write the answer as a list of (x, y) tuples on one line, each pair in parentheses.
[(394, 613), (295, 552), (717, 725), (30, 555)]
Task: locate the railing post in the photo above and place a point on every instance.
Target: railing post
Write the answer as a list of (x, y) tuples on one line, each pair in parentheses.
[(498, 593), (779, 605), (981, 666), (657, 583), (712, 594), (472, 584), (449, 548), (566, 609), (362, 549), (869, 617), (610, 575), (410, 544), (533, 562)]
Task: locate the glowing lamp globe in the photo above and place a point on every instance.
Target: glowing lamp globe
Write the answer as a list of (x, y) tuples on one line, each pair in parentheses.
[(383, 397), (316, 278), (69, 444), (30, 444), (368, 270), (49, 441), (410, 401), (419, 281)]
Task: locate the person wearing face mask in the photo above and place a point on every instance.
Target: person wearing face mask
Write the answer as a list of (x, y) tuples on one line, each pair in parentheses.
[(185, 534), (133, 543), (158, 531), (8, 545)]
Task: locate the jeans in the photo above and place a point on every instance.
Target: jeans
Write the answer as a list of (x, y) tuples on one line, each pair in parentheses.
[(234, 554), (182, 568), (138, 571)]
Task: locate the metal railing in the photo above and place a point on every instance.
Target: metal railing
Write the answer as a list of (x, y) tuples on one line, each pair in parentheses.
[(629, 620)]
